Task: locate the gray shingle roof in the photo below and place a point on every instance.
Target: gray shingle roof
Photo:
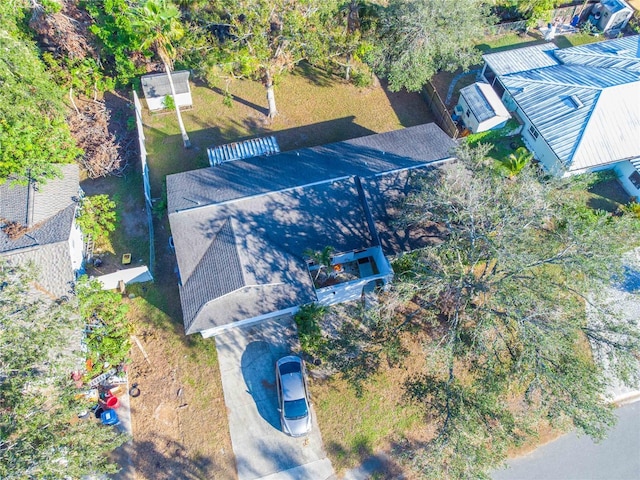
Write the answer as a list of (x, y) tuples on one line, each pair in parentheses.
[(157, 84), (241, 229), (30, 205), (53, 266), (221, 256), (50, 209), (363, 156), (259, 242), (55, 229)]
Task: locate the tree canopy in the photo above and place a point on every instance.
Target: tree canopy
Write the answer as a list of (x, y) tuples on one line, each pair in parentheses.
[(157, 26), (268, 38), (419, 38), (521, 261), (510, 297), (40, 435), (33, 133)]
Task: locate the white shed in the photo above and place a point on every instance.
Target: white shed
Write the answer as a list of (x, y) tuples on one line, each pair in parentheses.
[(480, 108), (156, 88), (611, 15)]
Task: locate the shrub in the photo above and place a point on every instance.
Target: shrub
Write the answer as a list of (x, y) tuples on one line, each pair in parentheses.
[(97, 216), (308, 322)]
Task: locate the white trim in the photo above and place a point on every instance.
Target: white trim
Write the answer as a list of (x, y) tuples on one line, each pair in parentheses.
[(212, 332)]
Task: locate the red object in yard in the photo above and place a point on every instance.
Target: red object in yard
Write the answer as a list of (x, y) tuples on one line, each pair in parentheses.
[(112, 402)]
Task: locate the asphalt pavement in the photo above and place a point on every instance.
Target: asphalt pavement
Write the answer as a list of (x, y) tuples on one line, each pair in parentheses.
[(573, 457), (247, 357)]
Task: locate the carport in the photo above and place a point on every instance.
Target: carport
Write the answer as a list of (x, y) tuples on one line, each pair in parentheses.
[(247, 356)]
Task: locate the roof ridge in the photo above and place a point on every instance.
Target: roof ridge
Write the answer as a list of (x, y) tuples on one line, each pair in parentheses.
[(578, 142), (222, 230)]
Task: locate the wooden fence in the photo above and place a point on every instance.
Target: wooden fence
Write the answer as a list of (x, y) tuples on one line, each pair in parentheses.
[(439, 110)]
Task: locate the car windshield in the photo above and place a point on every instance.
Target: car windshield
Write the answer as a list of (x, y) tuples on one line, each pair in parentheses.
[(295, 409)]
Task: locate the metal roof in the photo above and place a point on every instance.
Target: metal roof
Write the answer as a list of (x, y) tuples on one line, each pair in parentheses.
[(589, 115), (484, 101), (615, 5), (253, 147), (620, 53), (521, 59), (156, 85)]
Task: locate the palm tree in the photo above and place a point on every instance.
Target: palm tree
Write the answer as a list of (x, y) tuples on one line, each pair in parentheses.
[(322, 258), (157, 24), (515, 162)]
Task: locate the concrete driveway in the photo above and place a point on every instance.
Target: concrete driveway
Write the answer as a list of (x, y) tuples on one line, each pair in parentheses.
[(247, 358)]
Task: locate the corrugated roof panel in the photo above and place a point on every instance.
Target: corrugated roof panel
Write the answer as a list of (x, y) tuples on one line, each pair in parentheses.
[(254, 147), (579, 75), (522, 59), (620, 53), (556, 119)]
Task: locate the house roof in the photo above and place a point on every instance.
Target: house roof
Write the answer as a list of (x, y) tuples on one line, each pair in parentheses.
[(54, 271), (620, 53), (48, 208), (252, 250), (522, 59), (362, 156), (484, 101), (156, 85), (586, 108), (241, 229), (33, 203), (615, 6)]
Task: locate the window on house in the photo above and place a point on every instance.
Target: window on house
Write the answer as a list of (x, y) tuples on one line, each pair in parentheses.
[(468, 113), (534, 133), (635, 179)]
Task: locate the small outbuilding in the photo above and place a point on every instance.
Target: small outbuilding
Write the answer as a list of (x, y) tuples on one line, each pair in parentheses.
[(611, 15), (156, 88), (480, 108)]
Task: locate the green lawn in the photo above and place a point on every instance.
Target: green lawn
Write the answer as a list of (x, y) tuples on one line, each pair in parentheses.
[(353, 427), (508, 41)]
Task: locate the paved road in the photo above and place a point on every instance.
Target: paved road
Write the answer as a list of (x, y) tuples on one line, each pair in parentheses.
[(578, 458), (247, 360)]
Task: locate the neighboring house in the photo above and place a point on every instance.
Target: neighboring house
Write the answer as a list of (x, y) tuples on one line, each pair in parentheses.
[(156, 88), (480, 108), (43, 217), (241, 229), (579, 106)]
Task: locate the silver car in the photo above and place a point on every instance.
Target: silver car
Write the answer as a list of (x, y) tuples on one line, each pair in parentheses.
[(293, 396)]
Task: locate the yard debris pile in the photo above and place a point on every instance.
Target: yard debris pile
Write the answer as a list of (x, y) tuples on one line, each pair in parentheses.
[(102, 151), (102, 398), (64, 32)]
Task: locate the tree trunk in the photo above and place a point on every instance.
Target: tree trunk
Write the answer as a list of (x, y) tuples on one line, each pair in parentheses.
[(185, 138), (271, 97), (347, 74)]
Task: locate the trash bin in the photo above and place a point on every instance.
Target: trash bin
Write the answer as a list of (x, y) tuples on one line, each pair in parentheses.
[(109, 417)]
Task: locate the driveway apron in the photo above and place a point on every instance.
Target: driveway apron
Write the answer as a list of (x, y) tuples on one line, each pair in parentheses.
[(247, 357)]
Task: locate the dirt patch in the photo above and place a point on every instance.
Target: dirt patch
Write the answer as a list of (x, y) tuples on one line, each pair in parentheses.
[(180, 419)]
